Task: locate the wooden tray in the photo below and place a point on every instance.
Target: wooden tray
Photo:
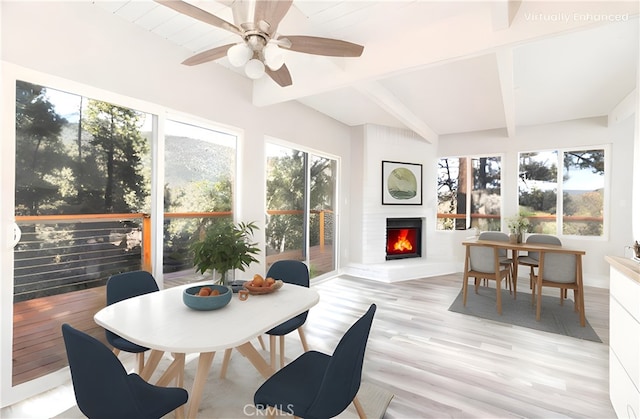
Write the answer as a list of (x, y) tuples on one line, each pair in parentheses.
[(263, 290)]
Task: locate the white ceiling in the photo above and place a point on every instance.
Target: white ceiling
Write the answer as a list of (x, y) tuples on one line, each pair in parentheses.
[(438, 67)]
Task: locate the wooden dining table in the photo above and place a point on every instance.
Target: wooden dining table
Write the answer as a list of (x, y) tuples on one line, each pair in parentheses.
[(162, 322), (516, 248)]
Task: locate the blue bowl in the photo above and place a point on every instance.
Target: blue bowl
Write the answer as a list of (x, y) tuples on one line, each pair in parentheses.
[(192, 300)]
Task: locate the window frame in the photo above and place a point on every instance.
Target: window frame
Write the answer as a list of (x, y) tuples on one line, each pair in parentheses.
[(470, 188), (309, 151), (560, 182)]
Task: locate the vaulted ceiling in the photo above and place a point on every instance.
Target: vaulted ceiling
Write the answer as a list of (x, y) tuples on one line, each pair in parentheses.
[(438, 67)]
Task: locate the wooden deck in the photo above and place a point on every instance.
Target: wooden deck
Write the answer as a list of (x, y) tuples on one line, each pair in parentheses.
[(38, 348)]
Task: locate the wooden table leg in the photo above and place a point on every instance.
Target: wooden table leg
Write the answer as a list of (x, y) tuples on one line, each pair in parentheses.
[(514, 256), (225, 362), (254, 357), (204, 365), (581, 289), (151, 365), (173, 371)]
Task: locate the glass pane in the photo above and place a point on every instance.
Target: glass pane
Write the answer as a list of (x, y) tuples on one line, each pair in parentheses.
[(537, 190), (322, 215), (199, 173), (82, 184), (583, 193), (485, 193), (285, 204), (452, 193)]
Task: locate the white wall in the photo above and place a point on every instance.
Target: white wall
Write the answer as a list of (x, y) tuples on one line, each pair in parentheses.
[(577, 133), (636, 159)]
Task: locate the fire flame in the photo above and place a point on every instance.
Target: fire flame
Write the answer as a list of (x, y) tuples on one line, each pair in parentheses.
[(402, 244)]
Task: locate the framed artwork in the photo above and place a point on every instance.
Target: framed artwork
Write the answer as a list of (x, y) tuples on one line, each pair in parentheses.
[(401, 183)]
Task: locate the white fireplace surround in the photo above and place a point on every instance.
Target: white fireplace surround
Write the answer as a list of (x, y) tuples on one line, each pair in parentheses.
[(367, 250), (375, 267)]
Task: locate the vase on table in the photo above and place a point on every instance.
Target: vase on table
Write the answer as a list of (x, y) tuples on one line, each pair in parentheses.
[(515, 238), (223, 278)]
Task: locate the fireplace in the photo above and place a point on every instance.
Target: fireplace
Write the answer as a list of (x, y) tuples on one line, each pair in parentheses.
[(404, 238)]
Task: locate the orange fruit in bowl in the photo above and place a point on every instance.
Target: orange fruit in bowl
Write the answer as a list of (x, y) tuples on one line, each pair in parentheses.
[(258, 280), (204, 291), (215, 292)]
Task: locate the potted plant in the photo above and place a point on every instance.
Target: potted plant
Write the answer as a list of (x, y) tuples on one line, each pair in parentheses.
[(224, 246), (517, 226)]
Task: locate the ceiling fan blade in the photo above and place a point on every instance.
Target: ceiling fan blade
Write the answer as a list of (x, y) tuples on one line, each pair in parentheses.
[(272, 12), (208, 55), (197, 13), (323, 46), (280, 76)]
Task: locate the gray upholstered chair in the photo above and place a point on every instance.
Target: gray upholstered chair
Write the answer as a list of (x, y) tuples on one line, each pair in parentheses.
[(502, 254), (559, 270), (531, 258), (483, 262)]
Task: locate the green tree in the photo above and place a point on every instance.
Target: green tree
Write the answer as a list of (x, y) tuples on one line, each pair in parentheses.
[(39, 149), (286, 186), (453, 194), (446, 190), (119, 156), (585, 159), (285, 191)]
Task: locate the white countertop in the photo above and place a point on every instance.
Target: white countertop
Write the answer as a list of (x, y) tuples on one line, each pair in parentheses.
[(629, 267)]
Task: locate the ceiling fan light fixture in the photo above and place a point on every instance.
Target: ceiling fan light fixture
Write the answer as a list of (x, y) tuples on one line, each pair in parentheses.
[(239, 54), (254, 69), (273, 56)]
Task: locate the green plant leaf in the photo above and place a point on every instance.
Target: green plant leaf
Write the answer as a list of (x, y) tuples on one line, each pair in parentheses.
[(225, 246)]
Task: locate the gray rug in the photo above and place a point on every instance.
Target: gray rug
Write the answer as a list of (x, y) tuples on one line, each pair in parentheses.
[(554, 318)]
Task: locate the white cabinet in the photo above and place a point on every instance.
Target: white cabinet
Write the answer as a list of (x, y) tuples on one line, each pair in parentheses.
[(624, 338)]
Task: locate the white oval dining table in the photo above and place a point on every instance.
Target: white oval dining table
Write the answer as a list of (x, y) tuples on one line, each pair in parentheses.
[(161, 322)]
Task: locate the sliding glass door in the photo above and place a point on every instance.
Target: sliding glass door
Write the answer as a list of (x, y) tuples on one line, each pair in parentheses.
[(82, 187), (301, 217)]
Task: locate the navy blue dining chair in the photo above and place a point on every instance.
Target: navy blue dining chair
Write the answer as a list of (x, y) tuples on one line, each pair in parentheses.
[(291, 272), (317, 385), (104, 389), (121, 287)]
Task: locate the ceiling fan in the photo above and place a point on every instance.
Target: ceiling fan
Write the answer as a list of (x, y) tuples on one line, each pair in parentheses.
[(260, 51)]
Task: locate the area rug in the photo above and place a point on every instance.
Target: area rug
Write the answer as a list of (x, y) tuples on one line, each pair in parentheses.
[(554, 318), (232, 397)]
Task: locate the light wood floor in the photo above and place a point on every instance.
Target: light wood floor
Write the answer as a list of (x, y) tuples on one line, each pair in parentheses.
[(443, 364)]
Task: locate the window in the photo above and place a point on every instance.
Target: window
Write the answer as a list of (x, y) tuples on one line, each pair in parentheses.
[(198, 178), (469, 193), (580, 183), (301, 193)]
